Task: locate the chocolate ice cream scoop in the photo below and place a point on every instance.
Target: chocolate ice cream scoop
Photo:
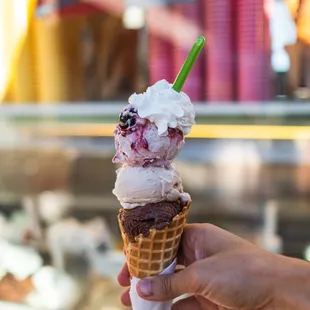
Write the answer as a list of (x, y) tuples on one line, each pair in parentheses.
[(153, 215)]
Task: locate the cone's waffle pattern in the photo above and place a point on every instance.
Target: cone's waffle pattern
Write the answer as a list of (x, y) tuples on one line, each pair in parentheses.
[(149, 256)]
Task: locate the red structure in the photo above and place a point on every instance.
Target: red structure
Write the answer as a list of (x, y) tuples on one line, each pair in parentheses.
[(236, 62), (253, 43), (220, 51), (160, 54), (192, 14)]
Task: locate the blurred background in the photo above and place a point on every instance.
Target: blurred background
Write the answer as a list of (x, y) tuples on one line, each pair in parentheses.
[(67, 69)]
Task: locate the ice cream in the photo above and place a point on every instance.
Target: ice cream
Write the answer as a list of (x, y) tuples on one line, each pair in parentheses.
[(151, 197), (153, 125), (164, 107), (148, 137), (154, 210), (138, 186), (151, 216)]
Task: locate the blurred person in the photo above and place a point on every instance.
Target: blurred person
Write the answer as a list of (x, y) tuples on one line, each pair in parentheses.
[(299, 53), (223, 271), (283, 32)]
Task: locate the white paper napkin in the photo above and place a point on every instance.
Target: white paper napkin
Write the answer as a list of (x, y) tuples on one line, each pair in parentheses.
[(141, 304)]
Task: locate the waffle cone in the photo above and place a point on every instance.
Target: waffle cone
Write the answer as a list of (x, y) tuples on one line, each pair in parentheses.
[(150, 255)]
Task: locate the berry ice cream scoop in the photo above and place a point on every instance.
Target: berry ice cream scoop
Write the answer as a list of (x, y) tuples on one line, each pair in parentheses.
[(138, 143), (152, 126)]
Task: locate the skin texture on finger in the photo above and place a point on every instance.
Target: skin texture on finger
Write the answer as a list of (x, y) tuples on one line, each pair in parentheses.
[(124, 276), (219, 279), (189, 303), (224, 280), (125, 299)]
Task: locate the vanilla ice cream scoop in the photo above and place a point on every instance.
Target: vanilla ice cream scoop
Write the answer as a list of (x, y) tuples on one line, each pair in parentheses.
[(138, 186)]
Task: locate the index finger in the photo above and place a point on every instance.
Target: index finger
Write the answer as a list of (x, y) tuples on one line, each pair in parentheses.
[(124, 276), (200, 241)]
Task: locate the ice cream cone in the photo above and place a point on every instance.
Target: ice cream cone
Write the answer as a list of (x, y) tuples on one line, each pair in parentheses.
[(149, 256)]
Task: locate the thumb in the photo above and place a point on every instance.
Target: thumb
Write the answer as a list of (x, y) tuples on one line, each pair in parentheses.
[(166, 287)]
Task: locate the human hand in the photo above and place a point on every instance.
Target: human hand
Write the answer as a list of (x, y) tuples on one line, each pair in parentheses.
[(223, 271)]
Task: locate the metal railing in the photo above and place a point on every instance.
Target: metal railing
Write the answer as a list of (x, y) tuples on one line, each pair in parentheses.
[(111, 108)]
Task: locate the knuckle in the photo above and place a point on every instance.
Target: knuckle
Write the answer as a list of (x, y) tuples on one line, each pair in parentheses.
[(209, 227), (204, 228), (166, 286)]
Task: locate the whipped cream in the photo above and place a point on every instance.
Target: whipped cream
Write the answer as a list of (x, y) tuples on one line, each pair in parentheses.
[(165, 107), (138, 186)]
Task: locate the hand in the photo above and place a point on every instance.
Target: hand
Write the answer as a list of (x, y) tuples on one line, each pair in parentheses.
[(223, 271)]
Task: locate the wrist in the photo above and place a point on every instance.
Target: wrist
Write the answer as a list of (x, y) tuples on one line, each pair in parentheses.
[(292, 286)]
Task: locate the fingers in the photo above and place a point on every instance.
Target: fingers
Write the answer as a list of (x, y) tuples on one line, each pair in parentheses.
[(202, 246), (124, 277), (167, 287), (125, 299), (200, 241), (124, 280), (189, 303)]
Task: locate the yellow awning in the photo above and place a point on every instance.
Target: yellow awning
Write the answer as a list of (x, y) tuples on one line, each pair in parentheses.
[(15, 16), (199, 131)]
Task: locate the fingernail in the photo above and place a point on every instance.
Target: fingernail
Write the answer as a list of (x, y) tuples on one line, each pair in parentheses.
[(145, 287)]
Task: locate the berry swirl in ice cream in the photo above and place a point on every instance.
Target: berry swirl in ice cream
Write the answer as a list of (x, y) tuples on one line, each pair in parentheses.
[(152, 126)]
